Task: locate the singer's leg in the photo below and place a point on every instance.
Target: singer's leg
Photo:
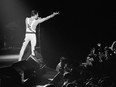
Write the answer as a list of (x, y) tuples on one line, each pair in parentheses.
[(26, 41), (33, 44)]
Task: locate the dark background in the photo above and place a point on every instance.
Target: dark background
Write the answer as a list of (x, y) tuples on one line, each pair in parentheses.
[(78, 28)]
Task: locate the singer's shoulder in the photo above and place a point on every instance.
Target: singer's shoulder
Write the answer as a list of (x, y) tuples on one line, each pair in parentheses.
[(27, 18)]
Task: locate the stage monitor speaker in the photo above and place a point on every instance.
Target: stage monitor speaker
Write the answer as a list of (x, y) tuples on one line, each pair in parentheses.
[(28, 64)]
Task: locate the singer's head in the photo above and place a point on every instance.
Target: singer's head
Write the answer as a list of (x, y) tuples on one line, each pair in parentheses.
[(34, 14)]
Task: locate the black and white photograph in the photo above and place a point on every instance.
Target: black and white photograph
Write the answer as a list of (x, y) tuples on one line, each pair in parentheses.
[(57, 43)]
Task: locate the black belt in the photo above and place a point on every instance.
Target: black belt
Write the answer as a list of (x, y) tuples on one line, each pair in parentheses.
[(30, 33)]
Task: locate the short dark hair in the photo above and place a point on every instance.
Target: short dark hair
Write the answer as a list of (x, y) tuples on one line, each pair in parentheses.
[(33, 12)]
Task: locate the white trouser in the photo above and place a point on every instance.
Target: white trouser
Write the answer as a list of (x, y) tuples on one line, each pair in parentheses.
[(28, 37)]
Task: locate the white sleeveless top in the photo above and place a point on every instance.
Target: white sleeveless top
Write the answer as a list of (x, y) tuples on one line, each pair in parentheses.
[(31, 27)]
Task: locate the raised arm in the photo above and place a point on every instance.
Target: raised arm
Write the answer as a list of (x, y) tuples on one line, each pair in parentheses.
[(46, 18)]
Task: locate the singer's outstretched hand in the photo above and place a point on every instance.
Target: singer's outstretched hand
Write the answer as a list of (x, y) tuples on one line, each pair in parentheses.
[(55, 13)]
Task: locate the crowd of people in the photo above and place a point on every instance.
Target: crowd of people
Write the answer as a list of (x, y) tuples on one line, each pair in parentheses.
[(98, 70)]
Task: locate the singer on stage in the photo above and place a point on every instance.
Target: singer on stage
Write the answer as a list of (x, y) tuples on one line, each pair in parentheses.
[(30, 35)]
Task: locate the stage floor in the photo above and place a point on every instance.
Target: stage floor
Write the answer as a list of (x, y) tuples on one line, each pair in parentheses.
[(9, 59), (10, 55)]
